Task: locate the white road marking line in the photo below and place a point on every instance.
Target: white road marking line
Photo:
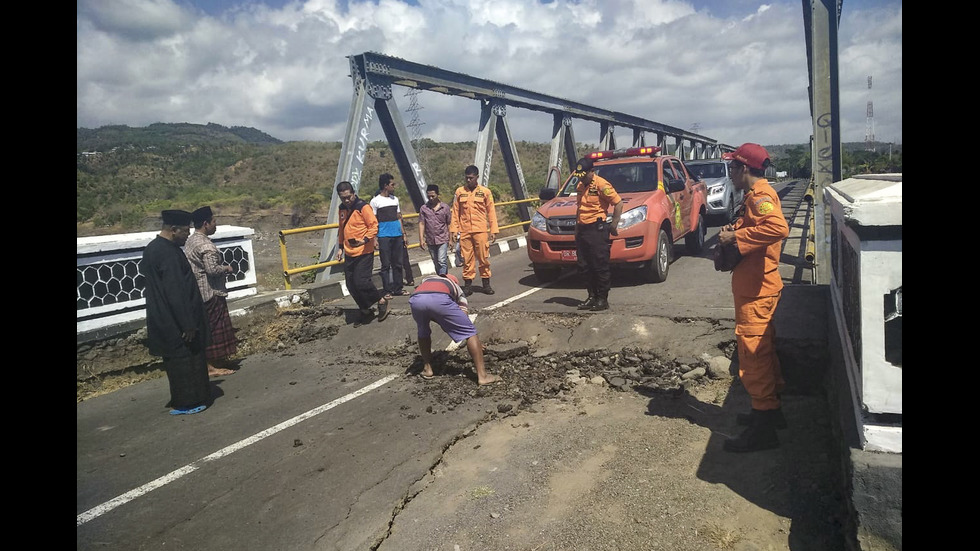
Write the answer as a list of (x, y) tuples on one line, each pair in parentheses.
[(187, 469)]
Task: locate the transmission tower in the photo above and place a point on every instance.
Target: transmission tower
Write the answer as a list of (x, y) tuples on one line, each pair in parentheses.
[(869, 133), (416, 125)]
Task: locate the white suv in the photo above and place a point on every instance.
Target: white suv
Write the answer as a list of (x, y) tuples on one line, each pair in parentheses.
[(723, 198)]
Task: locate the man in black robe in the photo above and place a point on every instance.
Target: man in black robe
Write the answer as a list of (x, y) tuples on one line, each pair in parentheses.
[(176, 323)]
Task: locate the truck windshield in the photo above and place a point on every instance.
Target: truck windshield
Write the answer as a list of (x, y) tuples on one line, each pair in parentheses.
[(626, 178)]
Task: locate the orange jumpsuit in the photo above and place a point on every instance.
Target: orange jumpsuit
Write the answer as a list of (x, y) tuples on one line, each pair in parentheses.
[(473, 216), (756, 286)]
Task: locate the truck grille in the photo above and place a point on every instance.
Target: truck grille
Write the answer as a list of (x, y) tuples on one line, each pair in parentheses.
[(561, 245), (561, 225)]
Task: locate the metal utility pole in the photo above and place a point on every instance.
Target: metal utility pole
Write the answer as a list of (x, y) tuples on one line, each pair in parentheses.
[(821, 20), (869, 131)]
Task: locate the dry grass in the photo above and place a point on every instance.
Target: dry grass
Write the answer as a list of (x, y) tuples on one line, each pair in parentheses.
[(721, 538), (97, 386)]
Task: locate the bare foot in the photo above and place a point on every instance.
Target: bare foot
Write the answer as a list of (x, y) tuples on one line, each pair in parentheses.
[(490, 380), (219, 372)]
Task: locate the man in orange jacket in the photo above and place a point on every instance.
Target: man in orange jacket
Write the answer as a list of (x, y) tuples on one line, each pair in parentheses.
[(474, 226), (756, 285), (355, 238)]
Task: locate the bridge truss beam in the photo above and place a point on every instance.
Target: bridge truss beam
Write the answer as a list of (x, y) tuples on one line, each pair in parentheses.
[(373, 75)]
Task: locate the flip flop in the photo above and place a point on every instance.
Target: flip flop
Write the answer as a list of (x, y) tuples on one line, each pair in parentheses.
[(191, 411), (427, 377)]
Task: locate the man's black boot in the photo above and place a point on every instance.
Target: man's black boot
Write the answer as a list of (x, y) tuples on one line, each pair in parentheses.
[(588, 304), (487, 290), (760, 435), (467, 287), (776, 418), (600, 304)]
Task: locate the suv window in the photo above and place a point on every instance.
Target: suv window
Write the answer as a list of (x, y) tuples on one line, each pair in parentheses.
[(707, 170)]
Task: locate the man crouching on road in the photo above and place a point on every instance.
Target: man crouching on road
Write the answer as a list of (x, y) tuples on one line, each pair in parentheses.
[(440, 299), (758, 232)]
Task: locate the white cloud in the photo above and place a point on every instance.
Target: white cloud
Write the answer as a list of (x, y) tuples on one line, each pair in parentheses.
[(737, 69)]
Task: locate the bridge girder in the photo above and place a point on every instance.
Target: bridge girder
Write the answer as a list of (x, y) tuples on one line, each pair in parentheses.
[(373, 75)]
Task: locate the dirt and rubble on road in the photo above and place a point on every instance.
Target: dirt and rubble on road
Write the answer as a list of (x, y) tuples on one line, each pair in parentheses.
[(584, 446)]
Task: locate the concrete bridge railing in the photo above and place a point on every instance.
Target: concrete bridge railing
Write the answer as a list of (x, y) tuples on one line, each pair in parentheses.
[(110, 285)]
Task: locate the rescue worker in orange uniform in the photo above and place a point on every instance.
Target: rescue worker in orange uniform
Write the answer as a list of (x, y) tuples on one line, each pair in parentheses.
[(595, 195), (474, 226), (756, 285), (357, 231)]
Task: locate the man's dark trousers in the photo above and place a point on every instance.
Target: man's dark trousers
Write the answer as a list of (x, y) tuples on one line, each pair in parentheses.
[(357, 273), (592, 248), (391, 250)]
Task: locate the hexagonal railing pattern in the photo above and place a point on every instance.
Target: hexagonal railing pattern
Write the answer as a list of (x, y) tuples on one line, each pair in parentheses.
[(110, 285)]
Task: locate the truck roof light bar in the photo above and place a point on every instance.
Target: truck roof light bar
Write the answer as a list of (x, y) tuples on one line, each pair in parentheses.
[(645, 151)]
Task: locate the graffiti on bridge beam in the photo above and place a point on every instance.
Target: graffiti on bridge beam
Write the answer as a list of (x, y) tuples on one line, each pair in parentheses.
[(825, 155), (362, 141)]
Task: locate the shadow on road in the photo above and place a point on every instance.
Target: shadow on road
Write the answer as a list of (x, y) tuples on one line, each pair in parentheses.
[(795, 481)]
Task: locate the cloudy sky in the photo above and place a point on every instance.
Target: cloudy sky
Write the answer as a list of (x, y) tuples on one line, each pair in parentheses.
[(732, 70)]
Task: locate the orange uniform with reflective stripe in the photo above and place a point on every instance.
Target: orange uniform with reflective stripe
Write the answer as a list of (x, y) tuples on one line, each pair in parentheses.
[(759, 234), (473, 215), (594, 201), (756, 286), (473, 211)]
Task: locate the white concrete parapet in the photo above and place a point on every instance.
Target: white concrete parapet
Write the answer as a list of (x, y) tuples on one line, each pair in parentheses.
[(866, 291), (110, 285)]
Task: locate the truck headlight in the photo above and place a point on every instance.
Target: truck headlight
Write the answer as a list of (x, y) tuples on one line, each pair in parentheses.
[(716, 189), (539, 222), (632, 217)]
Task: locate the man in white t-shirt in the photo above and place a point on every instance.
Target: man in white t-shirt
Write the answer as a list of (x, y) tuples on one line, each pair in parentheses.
[(391, 236)]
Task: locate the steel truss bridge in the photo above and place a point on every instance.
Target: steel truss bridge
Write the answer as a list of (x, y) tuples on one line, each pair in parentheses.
[(374, 75)]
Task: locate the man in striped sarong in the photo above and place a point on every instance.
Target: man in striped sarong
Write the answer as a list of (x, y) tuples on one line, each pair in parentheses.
[(210, 272)]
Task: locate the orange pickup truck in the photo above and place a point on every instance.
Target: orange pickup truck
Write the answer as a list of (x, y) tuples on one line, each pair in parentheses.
[(661, 204)]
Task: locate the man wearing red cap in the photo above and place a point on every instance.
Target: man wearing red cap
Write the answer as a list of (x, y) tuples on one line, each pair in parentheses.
[(440, 299), (758, 234)]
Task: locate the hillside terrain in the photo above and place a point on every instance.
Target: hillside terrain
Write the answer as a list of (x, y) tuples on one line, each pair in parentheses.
[(125, 176)]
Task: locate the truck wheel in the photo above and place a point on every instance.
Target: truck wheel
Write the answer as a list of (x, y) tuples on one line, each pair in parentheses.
[(657, 267), (694, 241), (545, 273)]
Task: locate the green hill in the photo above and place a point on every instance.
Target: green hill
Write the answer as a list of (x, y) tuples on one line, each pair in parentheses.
[(126, 175)]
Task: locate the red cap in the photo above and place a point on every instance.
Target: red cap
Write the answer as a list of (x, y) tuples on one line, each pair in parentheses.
[(749, 154)]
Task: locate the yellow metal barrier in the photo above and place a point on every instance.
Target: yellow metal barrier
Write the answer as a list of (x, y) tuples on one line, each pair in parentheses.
[(287, 272), (811, 240)]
